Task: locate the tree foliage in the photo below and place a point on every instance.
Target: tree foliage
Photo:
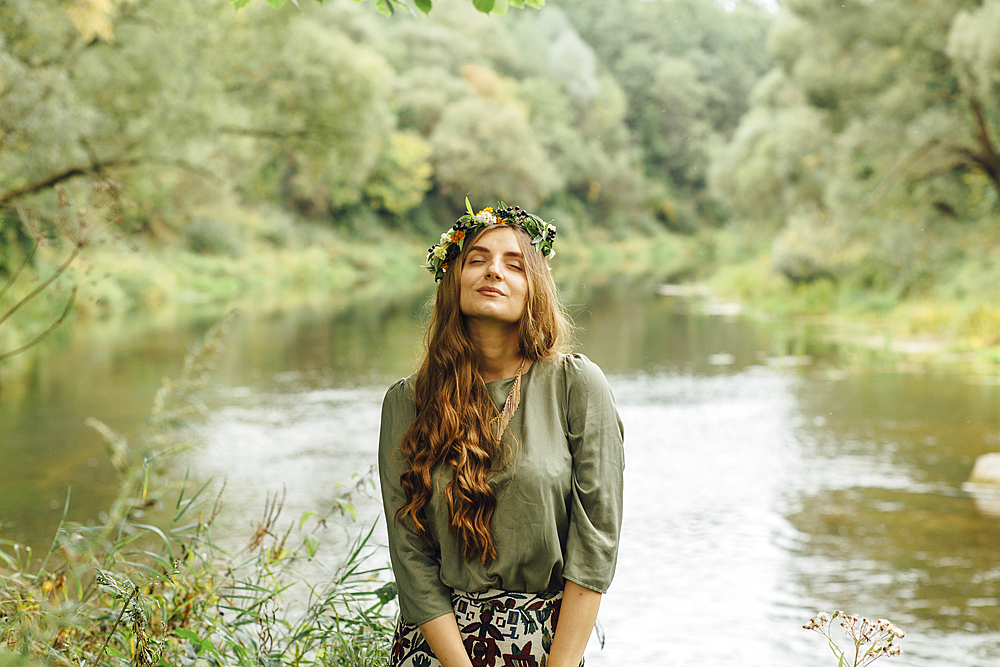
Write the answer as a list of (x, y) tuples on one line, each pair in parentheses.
[(331, 108), (686, 68), (873, 136), (389, 7)]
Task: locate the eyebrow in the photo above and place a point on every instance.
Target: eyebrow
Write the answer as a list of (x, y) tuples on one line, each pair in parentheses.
[(511, 253)]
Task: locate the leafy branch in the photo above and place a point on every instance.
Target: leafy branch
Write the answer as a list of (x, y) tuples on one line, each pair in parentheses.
[(388, 7)]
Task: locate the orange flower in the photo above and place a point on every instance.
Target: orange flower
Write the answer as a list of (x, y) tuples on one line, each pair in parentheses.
[(458, 236)]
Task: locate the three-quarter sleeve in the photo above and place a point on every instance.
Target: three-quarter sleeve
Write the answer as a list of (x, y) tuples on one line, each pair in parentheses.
[(416, 565), (595, 436)]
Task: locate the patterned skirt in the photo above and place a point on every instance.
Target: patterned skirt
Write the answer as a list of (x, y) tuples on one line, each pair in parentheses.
[(499, 629)]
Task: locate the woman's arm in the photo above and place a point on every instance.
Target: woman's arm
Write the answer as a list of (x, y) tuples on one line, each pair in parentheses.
[(445, 640), (577, 616)]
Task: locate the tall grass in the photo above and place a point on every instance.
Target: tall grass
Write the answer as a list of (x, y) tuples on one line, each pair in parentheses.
[(145, 584)]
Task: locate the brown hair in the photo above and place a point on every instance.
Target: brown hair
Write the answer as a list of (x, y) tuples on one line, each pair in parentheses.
[(454, 408)]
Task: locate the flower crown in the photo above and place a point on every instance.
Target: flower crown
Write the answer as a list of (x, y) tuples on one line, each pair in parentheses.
[(440, 256)]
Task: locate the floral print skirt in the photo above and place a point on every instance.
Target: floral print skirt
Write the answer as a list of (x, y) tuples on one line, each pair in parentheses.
[(499, 629)]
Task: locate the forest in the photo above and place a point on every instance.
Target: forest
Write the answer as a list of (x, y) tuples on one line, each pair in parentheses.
[(820, 157)]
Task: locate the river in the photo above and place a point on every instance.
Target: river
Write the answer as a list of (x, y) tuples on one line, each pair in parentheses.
[(766, 477)]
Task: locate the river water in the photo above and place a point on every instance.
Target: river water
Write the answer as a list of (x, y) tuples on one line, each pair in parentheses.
[(766, 478)]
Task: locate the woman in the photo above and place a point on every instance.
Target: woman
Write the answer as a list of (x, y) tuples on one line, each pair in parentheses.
[(500, 462)]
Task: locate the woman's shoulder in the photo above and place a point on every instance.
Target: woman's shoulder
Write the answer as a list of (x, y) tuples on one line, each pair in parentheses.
[(580, 367), (573, 369), (402, 384), (400, 393)]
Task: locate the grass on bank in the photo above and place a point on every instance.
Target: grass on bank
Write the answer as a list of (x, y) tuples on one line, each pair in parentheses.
[(954, 317), (144, 585), (267, 262)]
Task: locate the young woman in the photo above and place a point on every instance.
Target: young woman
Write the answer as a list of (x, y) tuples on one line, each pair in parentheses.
[(500, 462)]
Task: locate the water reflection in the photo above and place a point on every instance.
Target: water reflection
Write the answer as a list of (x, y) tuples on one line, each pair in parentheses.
[(883, 504), (759, 489)]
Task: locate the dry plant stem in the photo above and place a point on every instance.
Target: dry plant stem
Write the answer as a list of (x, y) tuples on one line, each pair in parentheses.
[(19, 269), (135, 591), (48, 281), (45, 334)]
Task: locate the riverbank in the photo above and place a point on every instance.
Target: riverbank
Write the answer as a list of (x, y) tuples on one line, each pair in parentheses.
[(127, 291), (953, 323)]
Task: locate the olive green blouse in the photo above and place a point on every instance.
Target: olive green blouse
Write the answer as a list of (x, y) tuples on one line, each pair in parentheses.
[(559, 503)]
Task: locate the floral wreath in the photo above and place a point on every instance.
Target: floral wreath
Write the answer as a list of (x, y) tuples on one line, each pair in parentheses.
[(441, 255)]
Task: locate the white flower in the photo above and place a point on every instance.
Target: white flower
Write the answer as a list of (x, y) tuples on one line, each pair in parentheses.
[(440, 252), (446, 238), (486, 218)]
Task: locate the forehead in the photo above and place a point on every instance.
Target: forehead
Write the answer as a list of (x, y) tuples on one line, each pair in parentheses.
[(498, 239)]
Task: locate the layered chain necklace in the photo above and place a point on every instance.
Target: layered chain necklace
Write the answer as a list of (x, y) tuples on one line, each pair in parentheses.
[(499, 423)]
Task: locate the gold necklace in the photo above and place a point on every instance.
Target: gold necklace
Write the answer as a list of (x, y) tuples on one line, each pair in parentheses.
[(509, 406)]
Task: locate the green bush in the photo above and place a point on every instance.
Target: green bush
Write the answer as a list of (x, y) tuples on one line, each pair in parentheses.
[(212, 236)]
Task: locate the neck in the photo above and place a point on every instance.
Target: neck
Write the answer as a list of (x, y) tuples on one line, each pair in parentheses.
[(499, 353)]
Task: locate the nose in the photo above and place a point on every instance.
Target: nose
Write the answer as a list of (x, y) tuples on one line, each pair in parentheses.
[(495, 268)]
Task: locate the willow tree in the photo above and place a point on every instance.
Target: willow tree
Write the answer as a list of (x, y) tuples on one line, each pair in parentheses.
[(159, 101)]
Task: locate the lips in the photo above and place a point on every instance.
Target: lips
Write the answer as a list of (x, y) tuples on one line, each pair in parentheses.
[(490, 291)]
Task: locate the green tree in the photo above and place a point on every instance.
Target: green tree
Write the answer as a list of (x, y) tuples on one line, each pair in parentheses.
[(403, 174), (119, 91), (873, 136), (975, 52), (487, 150), (686, 68), (316, 108)]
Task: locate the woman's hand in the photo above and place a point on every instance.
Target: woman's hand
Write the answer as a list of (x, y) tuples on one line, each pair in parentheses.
[(445, 640), (577, 616)]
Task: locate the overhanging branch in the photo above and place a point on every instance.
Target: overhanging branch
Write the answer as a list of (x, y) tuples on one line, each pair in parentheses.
[(987, 157), (265, 133), (55, 179)]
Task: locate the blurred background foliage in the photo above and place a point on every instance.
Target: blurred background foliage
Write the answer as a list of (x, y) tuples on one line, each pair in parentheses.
[(844, 149)]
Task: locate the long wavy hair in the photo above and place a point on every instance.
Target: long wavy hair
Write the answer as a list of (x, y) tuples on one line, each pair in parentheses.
[(454, 409)]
